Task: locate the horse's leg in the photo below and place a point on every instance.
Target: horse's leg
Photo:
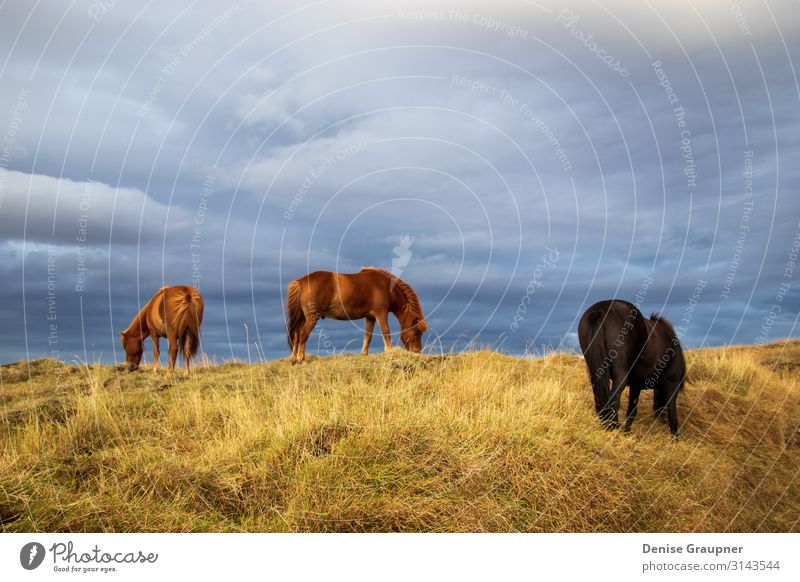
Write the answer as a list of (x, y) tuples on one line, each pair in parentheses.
[(610, 414), (304, 334), (659, 399), (671, 390), (187, 353), (295, 347), (154, 339), (370, 325), (383, 321), (633, 406), (600, 390), (173, 351)]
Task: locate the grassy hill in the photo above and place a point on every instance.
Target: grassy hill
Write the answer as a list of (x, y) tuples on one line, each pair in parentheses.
[(397, 442)]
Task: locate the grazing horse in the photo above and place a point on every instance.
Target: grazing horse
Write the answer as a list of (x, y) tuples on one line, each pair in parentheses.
[(370, 294), (175, 313), (624, 348)]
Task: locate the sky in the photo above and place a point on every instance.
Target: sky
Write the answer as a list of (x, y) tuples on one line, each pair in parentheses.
[(513, 161)]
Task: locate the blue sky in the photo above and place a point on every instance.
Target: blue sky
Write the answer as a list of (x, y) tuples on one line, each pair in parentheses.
[(516, 161)]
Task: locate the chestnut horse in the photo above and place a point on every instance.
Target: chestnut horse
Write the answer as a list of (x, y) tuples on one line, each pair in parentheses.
[(370, 294), (175, 313), (624, 348)]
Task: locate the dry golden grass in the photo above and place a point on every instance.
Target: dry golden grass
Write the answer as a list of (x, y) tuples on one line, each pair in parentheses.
[(397, 442)]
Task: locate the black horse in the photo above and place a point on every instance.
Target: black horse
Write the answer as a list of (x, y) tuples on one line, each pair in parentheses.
[(623, 348)]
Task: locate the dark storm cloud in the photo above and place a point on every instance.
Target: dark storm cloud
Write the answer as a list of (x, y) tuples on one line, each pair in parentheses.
[(238, 146)]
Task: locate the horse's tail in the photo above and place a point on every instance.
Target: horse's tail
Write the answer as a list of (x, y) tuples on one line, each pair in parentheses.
[(187, 318), (295, 318), (595, 356)]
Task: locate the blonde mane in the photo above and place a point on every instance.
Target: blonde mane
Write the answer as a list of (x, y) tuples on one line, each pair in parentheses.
[(139, 322)]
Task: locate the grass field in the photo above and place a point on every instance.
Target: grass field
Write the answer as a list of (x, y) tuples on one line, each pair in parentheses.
[(397, 442)]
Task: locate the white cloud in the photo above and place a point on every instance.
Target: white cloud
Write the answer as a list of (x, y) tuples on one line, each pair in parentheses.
[(43, 208)]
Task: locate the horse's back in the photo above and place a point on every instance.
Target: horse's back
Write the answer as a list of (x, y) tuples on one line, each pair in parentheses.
[(611, 315), (344, 295), (315, 284), (613, 307), (315, 276)]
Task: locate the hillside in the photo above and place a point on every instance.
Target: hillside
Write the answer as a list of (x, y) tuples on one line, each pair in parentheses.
[(397, 442)]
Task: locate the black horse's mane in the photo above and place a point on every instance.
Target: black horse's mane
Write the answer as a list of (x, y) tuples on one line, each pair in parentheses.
[(656, 317)]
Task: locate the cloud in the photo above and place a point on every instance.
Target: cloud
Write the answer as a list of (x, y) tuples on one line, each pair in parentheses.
[(485, 132), (40, 208)]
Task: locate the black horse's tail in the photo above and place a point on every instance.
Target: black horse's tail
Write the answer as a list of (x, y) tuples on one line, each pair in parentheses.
[(295, 318), (596, 355)]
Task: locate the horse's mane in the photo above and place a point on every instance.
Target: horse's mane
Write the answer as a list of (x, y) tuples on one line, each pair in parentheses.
[(138, 319), (412, 301), (656, 317)]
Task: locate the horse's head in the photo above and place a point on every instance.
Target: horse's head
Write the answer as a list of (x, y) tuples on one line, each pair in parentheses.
[(405, 306), (134, 347), (411, 334)]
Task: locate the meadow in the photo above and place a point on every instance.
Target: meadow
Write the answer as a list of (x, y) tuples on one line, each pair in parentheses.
[(469, 442)]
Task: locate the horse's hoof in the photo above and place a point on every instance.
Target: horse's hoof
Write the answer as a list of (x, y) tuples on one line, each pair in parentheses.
[(609, 421), (674, 438)]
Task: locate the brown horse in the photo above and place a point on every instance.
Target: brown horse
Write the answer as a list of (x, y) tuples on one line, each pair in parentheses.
[(175, 313), (623, 348), (370, 294)]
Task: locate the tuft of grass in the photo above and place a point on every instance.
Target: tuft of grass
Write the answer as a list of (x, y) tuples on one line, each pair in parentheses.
[(477, 441), (740, 371)]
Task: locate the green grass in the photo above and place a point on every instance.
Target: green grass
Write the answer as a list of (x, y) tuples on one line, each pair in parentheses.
[(477, 441)]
